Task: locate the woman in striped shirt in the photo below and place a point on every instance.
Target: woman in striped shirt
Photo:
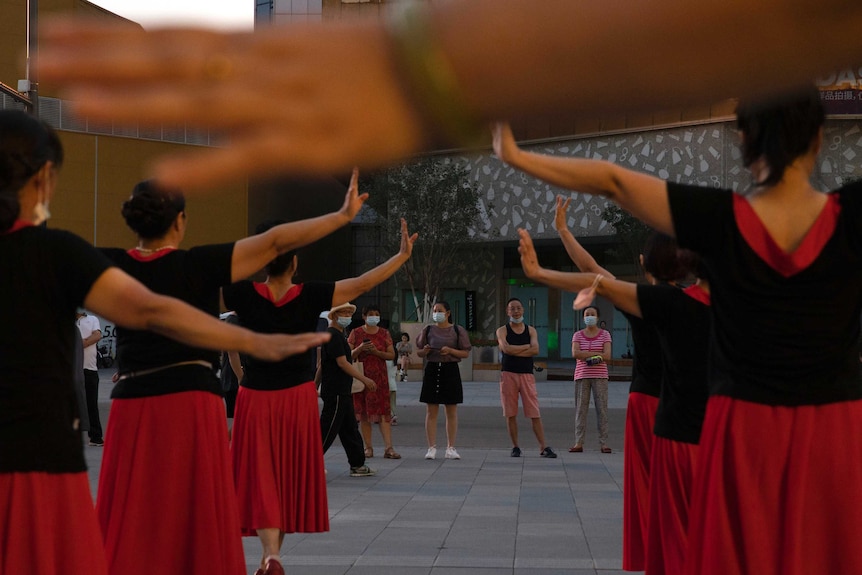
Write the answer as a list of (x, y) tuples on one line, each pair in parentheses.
[(591, 346)]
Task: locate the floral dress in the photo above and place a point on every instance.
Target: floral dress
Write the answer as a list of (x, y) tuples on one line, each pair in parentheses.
[(372, 405)]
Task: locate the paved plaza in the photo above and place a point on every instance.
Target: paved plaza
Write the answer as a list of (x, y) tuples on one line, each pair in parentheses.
[(486, 514)]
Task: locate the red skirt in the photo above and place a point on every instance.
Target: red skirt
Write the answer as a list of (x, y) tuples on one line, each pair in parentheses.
[(278, 460), (673, 467), (166, 501), (637, 451), (777, 490), (48, 526)]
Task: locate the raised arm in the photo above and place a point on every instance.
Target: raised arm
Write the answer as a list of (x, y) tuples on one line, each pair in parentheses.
[(567, 56), (577, 253), (350, 289), (125, 301), (642, 195), (623, 295), (251, 254)]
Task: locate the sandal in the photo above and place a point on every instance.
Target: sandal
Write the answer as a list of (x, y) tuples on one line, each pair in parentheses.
[(606, 449), (391, 454), (578, 448), (369, 452)]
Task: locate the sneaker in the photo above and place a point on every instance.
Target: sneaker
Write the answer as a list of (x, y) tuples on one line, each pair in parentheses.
[(431, 453), (451, 453), (516, 451), (97, 443), (363, 471), (549, 453)]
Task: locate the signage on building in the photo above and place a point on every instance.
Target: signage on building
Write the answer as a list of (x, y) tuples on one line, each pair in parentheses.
[(841, 92), (470, 320)]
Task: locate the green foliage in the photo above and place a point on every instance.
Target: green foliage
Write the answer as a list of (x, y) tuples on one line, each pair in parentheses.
[(631, 233), (441, 203)]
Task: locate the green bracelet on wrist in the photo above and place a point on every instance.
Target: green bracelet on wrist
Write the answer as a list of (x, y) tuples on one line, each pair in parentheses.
[(431, 81)]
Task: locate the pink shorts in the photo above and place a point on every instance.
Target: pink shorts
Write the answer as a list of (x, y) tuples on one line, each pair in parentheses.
[(513, 385)]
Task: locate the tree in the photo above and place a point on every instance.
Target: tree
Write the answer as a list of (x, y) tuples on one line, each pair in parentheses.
[(631, 233), (439, 201)]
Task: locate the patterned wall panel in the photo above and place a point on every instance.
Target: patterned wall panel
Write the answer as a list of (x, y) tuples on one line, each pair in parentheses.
[(705, 155)]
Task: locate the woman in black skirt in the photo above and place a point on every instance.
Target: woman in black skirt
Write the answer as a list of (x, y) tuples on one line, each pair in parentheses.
[(443, 345)]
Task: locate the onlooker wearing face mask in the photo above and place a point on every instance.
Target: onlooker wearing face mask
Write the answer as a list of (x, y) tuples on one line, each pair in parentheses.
[(336, 375), (373, 347), (591, 346), (443, 345), (519, 343)]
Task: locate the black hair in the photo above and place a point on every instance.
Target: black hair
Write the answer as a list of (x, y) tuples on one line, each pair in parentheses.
[(692, 262), (281, 262), (779, 129), (151, 210), (403, 333), (370, 307), (445, 304), (598, 311), (26, 144), (511, 299), (661, 258)]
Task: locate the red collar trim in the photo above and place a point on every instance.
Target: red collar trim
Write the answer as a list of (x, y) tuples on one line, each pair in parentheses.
[(758, 239), (19, 225), (291, 294), (697, 293), (136, 255)]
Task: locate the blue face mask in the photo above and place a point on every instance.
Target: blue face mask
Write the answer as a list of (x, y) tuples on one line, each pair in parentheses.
[(344, 321), (438, 316), (372, 320), (591, 320), (516, 319)]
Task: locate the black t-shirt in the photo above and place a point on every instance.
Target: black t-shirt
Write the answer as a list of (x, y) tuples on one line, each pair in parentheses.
[(333, 380), (784, 330), (681, 320), (296, 312), (193, 276), (647, 364), (44, 276)]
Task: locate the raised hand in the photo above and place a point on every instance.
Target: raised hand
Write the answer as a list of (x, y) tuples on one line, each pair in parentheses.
[(353, 200)]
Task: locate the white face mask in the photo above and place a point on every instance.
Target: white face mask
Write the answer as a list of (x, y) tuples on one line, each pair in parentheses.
[(372, 320), (516, 319), (591, 320), (344, 321), (438, 316)]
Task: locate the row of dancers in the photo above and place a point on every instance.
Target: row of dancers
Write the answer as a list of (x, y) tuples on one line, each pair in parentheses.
[(174, 495)]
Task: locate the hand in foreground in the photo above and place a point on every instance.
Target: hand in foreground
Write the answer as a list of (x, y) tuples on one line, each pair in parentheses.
[(353, 200), (529, 259), (560, 213), (288, 98), (276, 347)]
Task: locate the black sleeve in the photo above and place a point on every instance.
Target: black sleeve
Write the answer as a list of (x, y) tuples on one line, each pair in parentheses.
[(319, 296), (700, 216), (78, 265)]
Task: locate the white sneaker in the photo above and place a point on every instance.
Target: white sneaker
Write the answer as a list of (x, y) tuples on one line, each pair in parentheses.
[(451, 453), (431, 453)]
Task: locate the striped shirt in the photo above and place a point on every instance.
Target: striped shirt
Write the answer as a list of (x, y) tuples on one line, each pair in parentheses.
[(594, 344)]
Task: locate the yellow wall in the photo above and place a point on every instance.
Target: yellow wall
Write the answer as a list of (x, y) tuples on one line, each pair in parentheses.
[(98, 175)]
